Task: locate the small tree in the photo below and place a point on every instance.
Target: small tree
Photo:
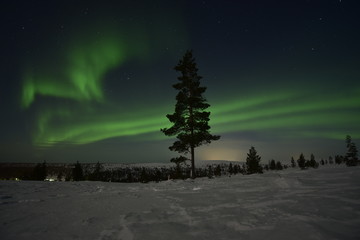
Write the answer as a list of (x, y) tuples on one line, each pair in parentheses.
[(272, 165), (236, 169), (210, 172), (144, 176), (253, 162), (40, 171), (217, 171), (179, 161), (190, 120), (231, 169), (279, 166), (293, 164), (313, 162), (351, 158), (339, 159), (301, 161), (78, 172), (96, 175)]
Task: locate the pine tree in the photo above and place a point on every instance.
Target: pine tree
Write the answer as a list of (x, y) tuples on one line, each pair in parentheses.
[(144, 177), (231, 169), (293, 164), (217, 171), (272, 165), (179, 161), (313, 162), (338, 159), (351, 157), (78, 172), (190, 121), (279, 166), (253, 162), (210, 172), (301, 161), (40, 171), (236, 169), (97, 172)]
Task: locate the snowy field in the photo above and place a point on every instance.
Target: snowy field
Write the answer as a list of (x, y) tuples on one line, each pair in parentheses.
[(291, 204)]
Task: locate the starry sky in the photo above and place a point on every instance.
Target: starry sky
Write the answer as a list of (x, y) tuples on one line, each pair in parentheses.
[(92, 81)]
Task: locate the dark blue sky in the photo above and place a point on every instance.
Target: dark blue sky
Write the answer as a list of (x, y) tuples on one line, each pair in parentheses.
[(91, 81)]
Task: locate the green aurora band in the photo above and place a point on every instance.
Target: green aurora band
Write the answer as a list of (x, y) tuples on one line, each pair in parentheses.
[(65, 90), (81, 79), (82, 120), (309, 118)]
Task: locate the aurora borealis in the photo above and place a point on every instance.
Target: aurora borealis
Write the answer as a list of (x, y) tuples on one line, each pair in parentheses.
[(92, 81)]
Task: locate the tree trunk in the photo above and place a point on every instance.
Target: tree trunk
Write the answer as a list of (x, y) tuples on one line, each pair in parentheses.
[(192, 163)]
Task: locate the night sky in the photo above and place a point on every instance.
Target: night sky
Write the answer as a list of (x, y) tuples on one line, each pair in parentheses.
[(88, 82)]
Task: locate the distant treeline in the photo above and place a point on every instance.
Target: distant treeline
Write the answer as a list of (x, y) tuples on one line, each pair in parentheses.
[(181, 170), (128, 174)]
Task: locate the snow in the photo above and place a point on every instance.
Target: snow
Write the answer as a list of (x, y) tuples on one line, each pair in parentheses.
[(291, 204)]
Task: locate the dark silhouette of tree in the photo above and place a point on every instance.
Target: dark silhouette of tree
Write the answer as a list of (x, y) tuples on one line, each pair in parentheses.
[(40, 171), (293, 164), (190, 121), (279, 166), (181, 160), (301, 161), (312, 163), (339, 159), (272, 165), (217, 171), (253, 162), (231, 169), (60, 176), (236, 169), (96, 175), (78, 172), (144, 178), (210, 172), (351, 157)]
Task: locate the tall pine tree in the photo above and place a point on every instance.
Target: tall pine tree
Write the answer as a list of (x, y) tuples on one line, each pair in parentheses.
[(190, 120)]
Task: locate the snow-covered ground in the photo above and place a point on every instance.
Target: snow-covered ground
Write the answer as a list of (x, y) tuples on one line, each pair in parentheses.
[(291, 204)]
